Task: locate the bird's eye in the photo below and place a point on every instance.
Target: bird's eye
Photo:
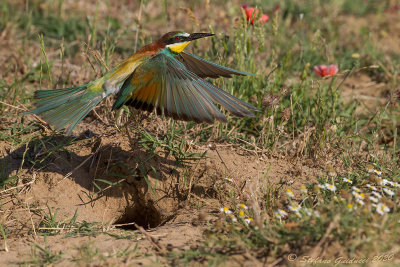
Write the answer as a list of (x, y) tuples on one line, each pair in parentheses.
[(178, 38)]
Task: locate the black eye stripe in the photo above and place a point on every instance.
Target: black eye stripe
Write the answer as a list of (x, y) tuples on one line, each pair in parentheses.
[(174, 40)]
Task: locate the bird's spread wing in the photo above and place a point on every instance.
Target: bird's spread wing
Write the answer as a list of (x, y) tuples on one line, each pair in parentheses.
[(165, 83), (204, 68)]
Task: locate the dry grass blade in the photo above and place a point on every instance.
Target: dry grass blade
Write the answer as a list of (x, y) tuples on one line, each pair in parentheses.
[(97, 56), (318, 249)]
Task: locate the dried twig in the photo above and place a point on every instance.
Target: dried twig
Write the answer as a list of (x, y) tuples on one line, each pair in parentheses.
[(223, 162), (23, 109), (160, 248), (15, 187), (139, 21), (6, 104), (80, 165), (30, 216)]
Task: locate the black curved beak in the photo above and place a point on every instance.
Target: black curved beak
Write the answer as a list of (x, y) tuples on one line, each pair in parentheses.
[(199, 35)]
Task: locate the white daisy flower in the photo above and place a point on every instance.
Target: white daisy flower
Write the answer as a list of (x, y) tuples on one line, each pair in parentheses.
[(359, 196), (225, 210), (371, 187), (358, 190), (330, 187), (376, 194), (280, 213), (382, 209), (294, 207), (396, 184), (379, 173), (374, 199), (303, 189), (346, 180), (360, 202), (248, 220), (243, 206), (289, 193), (321, 186), (388, 192), (383, 182), (350, 207)]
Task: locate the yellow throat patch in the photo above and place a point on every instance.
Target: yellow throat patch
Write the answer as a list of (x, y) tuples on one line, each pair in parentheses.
[(178, 47)]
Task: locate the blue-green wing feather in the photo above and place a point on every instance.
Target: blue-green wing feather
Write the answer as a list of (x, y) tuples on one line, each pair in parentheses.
[(232, 104), (179, 92), (204, 68)]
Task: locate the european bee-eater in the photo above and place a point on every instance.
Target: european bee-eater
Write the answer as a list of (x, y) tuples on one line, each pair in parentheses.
[(159, 76)]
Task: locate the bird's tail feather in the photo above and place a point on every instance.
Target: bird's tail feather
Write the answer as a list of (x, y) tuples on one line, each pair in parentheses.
[(65, 108)]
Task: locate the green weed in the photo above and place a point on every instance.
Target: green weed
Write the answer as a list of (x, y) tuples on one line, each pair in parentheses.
[(43, 256)]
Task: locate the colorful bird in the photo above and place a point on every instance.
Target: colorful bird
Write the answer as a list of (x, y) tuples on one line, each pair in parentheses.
[(160, 76)]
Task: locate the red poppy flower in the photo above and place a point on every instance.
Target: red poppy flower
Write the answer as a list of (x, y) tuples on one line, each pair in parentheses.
[(392, 9), (323, 70), (264, 18), (251, 13)]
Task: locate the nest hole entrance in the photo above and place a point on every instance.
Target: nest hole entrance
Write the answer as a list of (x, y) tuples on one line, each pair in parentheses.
[(145, 216)]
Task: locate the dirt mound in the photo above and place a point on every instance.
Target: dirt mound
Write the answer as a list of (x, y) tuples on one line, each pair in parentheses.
[(112, 179)]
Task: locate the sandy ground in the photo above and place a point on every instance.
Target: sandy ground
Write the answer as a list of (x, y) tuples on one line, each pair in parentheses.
[(161, 200)]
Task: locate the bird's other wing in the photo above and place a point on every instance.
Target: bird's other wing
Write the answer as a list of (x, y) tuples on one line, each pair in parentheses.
[(165, 83), (204, 68)]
